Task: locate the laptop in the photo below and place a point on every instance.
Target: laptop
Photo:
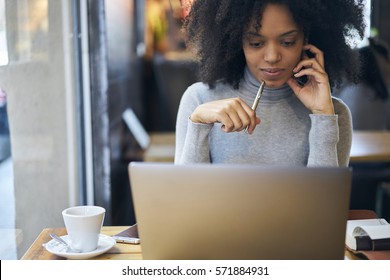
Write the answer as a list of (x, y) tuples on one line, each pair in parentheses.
[(205, 211)]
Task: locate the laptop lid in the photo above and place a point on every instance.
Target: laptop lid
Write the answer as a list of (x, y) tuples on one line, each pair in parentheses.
[(214, 211)]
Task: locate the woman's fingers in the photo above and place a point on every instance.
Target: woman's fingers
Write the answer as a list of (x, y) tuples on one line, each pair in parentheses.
[(309, 63), (319, 76), (237, 115), (318, 54), (316, 62), (234, 114)]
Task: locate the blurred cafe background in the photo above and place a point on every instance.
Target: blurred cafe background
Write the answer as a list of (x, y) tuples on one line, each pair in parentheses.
[(70, 69)]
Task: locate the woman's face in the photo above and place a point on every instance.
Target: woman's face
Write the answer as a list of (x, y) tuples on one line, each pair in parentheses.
[(272, 53)]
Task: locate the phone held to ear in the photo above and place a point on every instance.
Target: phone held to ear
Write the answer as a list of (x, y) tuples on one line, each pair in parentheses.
[(301, 80), (129, 235)]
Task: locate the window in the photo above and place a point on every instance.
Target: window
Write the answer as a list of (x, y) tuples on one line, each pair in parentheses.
[(3, 36)]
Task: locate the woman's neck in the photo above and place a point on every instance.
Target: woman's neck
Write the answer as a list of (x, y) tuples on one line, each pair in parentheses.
[(250, 85)]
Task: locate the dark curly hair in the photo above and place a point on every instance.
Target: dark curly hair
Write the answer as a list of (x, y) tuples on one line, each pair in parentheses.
[(215, 28)]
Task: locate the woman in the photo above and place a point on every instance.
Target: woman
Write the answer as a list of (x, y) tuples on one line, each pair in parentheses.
[(299, 50)]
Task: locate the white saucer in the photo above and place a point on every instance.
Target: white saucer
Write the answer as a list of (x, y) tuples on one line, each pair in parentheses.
[(105, 243)]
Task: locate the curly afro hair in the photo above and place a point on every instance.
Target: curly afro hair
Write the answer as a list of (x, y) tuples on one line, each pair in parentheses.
[(214, 30)]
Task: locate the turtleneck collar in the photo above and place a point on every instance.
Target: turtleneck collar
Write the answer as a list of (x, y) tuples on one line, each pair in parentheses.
[(249, 86)]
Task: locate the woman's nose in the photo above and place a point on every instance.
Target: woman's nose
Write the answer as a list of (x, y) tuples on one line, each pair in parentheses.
[(272, 54)]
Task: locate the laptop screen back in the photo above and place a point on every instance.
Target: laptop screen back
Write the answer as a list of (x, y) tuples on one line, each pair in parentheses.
[(240, 212)]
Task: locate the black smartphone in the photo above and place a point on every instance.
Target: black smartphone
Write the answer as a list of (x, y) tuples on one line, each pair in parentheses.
[(303, 80)]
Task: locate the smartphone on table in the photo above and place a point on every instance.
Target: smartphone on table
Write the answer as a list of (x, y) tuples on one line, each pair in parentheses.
[(129, 235)]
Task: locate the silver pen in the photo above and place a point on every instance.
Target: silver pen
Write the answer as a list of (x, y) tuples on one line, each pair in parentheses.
[(257, 99)]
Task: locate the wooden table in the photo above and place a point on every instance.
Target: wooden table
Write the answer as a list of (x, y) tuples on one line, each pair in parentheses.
[(370, 146), (162, 147), (370, 158), (119, 252)]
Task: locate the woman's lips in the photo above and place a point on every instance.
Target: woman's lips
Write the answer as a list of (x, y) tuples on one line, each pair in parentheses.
[(272, 72)]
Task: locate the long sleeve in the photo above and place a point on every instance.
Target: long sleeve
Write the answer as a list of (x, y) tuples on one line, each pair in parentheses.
[(323, 139), (330, 137), (195, 147), (345, 132), (191, 139)]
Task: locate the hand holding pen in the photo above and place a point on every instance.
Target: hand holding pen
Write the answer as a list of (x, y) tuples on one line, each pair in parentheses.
[(257, 99), (233, 113)]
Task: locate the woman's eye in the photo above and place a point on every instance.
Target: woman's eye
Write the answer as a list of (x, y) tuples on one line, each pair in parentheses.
[(256, 44), (288, 43)]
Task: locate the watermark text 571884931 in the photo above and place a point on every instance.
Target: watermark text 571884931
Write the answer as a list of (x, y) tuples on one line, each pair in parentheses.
[(180, 271)]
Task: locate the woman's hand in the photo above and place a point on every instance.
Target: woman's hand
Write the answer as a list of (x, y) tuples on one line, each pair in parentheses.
[(233, 113), (315, 94)]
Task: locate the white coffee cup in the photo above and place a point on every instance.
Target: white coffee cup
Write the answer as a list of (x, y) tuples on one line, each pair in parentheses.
[(83, 224)]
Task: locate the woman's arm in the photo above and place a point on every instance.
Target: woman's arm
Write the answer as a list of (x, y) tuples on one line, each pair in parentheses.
[(191, 138), (330, 137)]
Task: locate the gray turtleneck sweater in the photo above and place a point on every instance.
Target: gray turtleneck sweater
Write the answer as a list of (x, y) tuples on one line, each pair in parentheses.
[(287, 135)]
